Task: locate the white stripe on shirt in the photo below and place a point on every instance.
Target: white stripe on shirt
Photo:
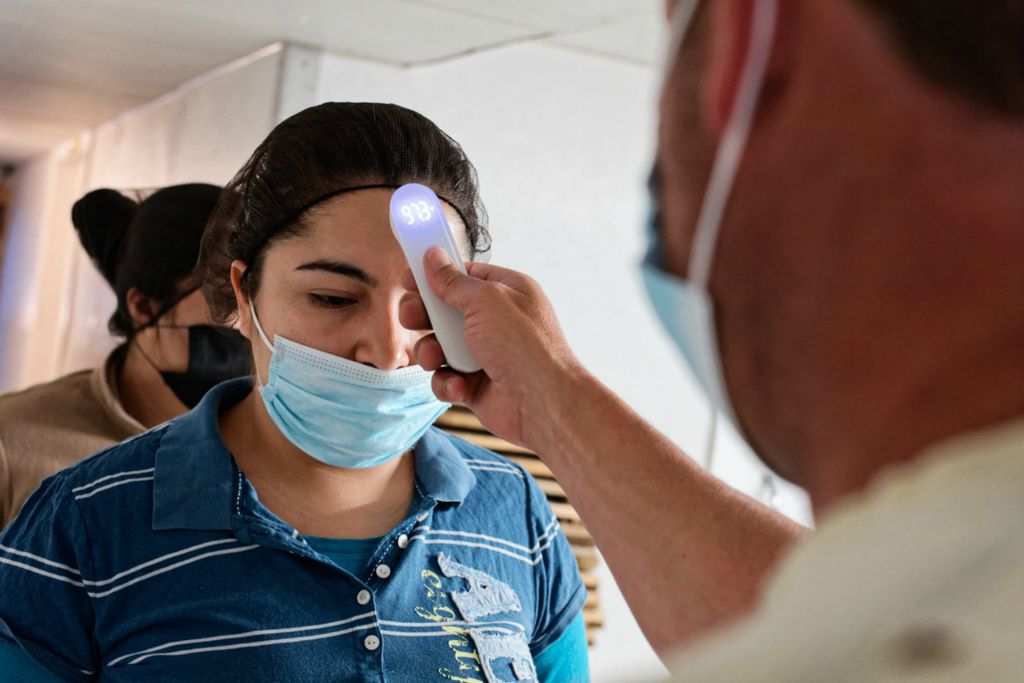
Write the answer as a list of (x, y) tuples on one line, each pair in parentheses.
[(454, 622), (506, 470), (41, 572), (442, 633), (168, 568), (442, 541), (42, 560), (158, 560), (245, 634), (258, 643), (120, 482), (483, 537), (126, 473)]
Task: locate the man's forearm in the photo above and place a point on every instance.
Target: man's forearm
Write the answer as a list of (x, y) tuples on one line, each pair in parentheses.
[(689, 552)]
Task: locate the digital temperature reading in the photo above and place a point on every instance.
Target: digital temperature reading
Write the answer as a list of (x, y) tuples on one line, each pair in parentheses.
[(419, 211)]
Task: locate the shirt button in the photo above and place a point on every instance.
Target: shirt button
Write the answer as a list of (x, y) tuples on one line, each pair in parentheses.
[(403, 541), (422, 517), (363, 597), (383, 571), (371, 642)]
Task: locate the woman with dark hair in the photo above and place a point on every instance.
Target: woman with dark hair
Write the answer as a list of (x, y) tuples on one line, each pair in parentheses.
[(171, 354), (310, 523)]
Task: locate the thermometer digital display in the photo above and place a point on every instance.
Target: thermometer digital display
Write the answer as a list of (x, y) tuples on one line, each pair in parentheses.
[(418, 222), (416, 211)]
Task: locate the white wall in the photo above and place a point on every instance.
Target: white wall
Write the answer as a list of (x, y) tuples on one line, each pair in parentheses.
[(562, 142), (38, 262), (54, 305)]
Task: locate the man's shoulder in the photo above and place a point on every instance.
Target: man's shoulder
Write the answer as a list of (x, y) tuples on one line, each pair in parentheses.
[(923, 569)]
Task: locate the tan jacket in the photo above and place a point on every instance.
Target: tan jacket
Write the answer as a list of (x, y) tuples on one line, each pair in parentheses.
[(48, 427)]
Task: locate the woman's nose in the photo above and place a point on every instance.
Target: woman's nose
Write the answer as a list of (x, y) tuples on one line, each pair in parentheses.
[(384, 343)]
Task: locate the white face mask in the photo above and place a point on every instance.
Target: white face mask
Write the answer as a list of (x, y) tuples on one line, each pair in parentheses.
[(685, 307)]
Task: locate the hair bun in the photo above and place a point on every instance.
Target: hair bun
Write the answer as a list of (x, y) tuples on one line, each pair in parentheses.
[(101, 219)]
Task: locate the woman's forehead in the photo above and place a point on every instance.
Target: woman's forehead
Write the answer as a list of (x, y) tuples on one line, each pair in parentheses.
[(360, 221)]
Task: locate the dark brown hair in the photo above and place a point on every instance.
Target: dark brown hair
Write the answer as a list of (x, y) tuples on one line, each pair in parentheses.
[(151, 245), (974, 47), (317, 154)]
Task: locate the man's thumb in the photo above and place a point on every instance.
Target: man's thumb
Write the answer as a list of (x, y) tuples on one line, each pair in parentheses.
[(451, 286)]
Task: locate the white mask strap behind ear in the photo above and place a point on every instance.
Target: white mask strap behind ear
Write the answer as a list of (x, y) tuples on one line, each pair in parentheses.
[(259, 328), (734, 140)]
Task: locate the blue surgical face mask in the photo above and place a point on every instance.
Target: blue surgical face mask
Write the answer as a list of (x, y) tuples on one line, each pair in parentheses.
[(344, 413), (684, 306)]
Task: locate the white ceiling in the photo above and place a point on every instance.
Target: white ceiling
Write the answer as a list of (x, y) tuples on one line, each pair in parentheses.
[(66, 65)]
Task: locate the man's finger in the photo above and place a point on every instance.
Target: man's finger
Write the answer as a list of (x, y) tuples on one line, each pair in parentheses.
[(411, 313), (455, 387), (409, 282), (428, 353)]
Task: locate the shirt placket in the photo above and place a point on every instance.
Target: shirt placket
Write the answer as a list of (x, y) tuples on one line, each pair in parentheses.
[(376, 578)]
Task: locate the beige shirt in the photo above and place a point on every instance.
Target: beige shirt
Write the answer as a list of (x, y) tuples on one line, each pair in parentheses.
[(921, 579), (48, 427)]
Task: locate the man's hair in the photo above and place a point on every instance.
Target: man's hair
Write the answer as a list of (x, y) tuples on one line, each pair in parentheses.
[(975, 47)]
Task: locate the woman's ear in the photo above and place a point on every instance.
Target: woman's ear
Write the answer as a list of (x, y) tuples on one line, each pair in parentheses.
[(141, 308), (241, 289)]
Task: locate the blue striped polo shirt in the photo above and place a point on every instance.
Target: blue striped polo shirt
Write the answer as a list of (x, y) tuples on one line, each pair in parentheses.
[(155, 560)]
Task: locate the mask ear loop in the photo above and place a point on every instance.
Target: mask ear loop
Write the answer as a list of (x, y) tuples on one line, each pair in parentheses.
[(263, 337), (730, 152), (734, 141)]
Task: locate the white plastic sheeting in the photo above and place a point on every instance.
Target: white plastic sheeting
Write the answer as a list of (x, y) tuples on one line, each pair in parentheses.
[(54, 306)]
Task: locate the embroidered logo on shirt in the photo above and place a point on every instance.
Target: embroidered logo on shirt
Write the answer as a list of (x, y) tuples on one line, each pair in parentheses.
[(494, 648), (486, 595)]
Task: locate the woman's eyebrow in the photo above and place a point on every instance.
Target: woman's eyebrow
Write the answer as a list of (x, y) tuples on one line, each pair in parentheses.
[(339, 268)]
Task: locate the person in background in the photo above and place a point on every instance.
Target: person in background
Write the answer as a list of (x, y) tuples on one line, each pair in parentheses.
[(171, 352), (308, 523)]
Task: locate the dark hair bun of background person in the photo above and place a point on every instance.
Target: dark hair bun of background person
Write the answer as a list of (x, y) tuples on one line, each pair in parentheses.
[(101, 219), (152, 246)]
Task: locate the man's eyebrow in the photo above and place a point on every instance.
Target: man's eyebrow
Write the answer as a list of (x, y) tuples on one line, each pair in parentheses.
[(339, 268)]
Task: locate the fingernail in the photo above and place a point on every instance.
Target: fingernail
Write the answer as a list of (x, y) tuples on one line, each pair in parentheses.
[(438, 257), (449, 390)]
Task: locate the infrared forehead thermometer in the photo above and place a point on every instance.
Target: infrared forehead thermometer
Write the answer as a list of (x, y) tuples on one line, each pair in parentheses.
[(419, 224)]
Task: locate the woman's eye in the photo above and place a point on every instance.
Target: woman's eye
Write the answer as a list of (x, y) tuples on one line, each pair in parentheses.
[(329, 301)]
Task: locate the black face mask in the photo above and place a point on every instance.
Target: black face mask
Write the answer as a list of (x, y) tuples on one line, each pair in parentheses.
[(215, 354)]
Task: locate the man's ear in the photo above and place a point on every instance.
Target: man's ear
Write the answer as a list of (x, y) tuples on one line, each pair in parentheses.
[(141, 308), (731, 22), (241, 289)]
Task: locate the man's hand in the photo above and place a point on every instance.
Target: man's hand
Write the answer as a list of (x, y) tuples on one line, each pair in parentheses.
[(510, 329)]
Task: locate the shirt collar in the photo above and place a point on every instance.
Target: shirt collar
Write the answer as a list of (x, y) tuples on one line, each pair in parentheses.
[(194, 475), (194, 472), (441, 471)]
